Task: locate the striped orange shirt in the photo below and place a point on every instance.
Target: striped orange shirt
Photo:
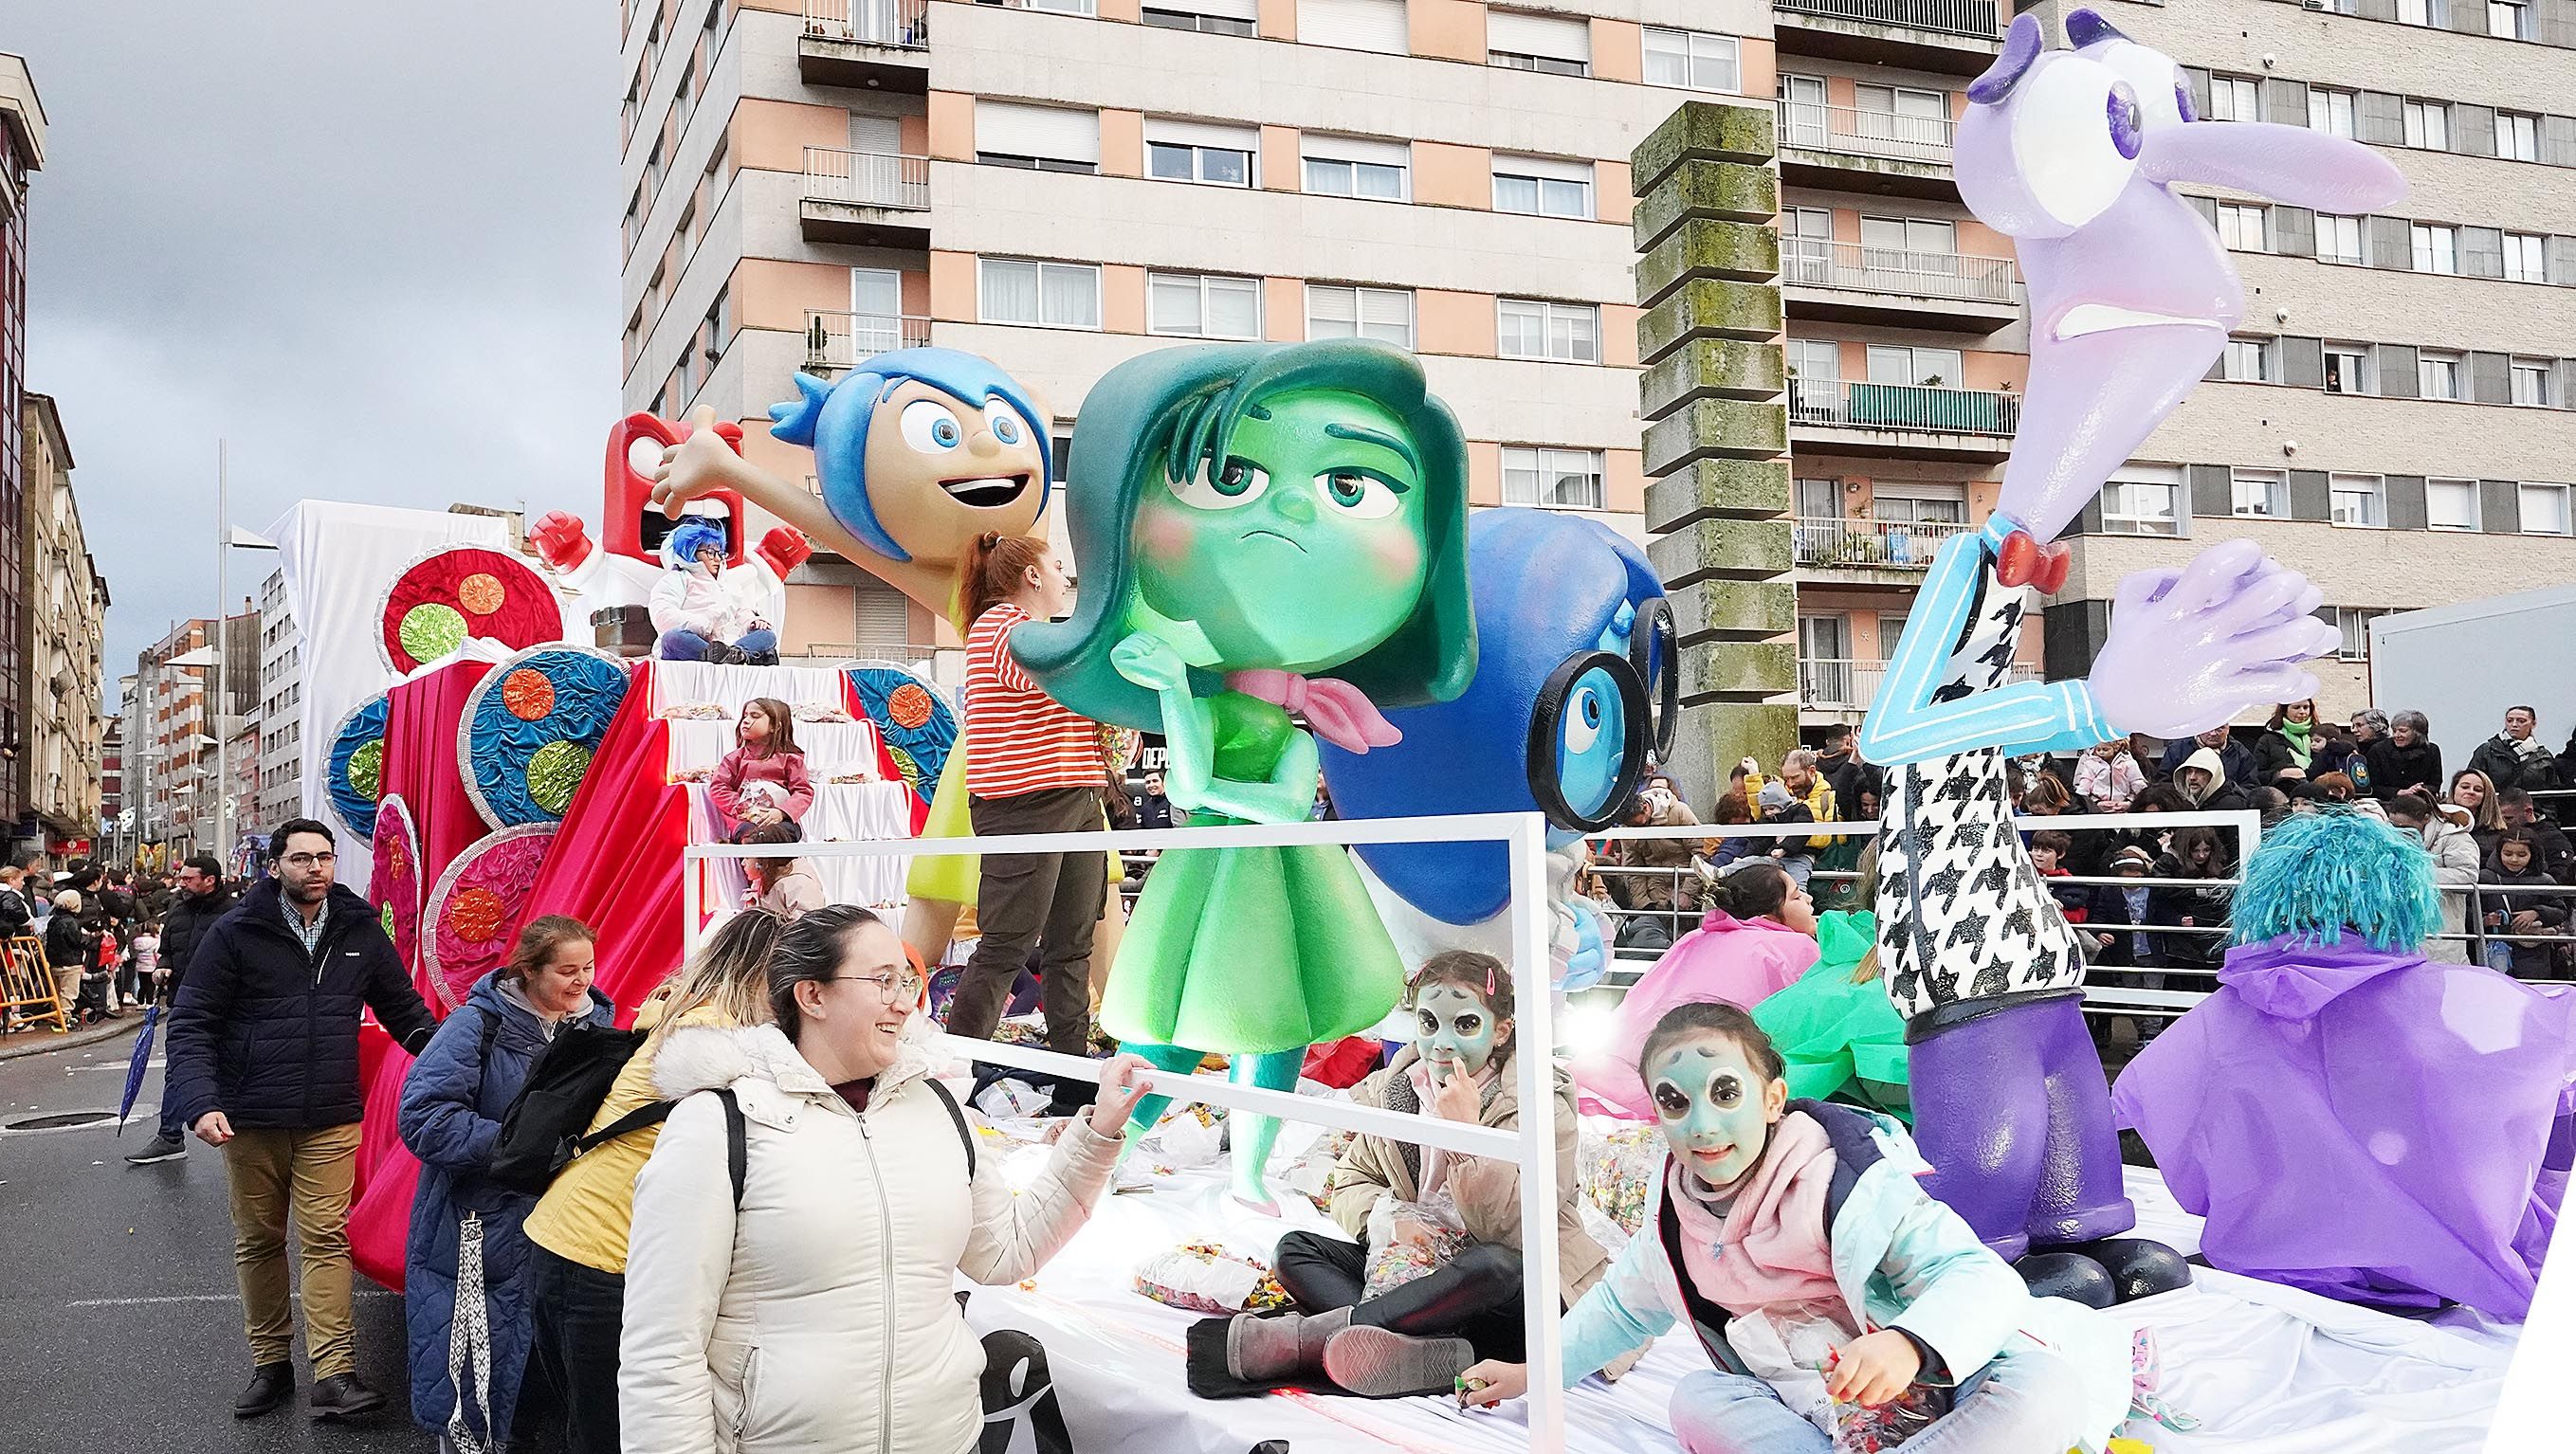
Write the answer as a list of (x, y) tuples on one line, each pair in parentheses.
[(1019, 739)]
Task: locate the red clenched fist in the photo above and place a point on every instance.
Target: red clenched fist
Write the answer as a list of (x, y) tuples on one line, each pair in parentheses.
[(785, 550), (561, 539)]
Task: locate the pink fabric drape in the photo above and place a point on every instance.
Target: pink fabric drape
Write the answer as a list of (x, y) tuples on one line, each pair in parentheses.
[(420, 764)]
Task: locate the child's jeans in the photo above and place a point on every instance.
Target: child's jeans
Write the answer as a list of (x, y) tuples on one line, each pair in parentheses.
[(2024, 1402)]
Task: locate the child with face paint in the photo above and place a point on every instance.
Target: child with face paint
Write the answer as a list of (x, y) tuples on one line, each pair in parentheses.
[(1416, 1337), (1801, 1212)]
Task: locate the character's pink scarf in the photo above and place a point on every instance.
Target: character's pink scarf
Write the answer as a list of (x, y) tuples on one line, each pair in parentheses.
[(1340, 713), (1769, 1247)]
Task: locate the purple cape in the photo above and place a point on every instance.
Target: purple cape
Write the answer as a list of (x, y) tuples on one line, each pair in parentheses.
[(2365, 1124)]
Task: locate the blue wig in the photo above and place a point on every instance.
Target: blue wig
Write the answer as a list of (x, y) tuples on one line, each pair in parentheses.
[(2321, 873), (693, 534), (832, 420)]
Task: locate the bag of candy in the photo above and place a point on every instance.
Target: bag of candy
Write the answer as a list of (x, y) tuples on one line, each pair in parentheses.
[(1410, 1239), (1870, 1428)]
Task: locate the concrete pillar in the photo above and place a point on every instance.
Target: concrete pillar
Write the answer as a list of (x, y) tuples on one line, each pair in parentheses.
[(1717, 433)]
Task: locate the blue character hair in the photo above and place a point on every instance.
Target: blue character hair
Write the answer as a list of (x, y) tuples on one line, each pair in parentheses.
[(2319, 874), (691, 535), (832, 420)]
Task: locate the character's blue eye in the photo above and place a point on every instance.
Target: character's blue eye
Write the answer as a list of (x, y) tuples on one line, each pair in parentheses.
[(1593, 742), (929, 427), (2120, 112), (1004, 421)]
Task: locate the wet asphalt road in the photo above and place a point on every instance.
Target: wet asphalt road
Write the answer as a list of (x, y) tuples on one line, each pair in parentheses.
[(120, 1328)]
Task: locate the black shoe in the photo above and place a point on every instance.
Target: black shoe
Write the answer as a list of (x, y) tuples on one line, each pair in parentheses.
[(2138, 1268), (2062, 1272), (342, 1396), (162, 1148), (270, 1386)]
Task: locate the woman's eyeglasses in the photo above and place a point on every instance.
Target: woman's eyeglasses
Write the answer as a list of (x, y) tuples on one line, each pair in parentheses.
[(894, 989)]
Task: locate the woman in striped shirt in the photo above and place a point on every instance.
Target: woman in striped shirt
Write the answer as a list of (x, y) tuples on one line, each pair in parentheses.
[(1034, 768)]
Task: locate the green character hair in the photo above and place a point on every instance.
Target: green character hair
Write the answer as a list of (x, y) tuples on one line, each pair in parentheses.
[(1152, 420)]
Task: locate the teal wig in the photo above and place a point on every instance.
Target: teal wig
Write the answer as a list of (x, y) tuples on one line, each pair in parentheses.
[(2319, 874), (1152, 420)]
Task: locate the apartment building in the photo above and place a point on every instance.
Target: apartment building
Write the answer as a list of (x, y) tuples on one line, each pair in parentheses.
[(22, 154), (181, 784), (279, 755), (1061, 184), (61, 626)]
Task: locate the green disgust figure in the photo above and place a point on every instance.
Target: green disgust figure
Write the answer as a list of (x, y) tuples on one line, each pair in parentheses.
[(1261, 531)]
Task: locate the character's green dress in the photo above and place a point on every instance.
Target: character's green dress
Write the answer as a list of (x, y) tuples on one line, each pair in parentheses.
[(1840, 1039), (1251, 951)]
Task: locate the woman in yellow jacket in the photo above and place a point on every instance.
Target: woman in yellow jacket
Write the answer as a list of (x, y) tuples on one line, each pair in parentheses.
[(579, 1226)]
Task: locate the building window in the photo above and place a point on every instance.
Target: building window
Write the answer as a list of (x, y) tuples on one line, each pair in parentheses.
[(1060, 7), (2526, 257), (1889, 506), (1692, 58), (2435, 13), (1193, 305), (2338, 238), (1043, 138), (1219, 17), (2241, 228), (2358, 500), (2544, 510), (1564, 479), (2354, 624), (2348, 368), (2234, 98), (2248, 361), (717, 327), (2428, 125), (1356, 167), (2510, 20), (2330, 111), (1930, 368), (2437, 249), (2531, 383), (1558, 44), (1055, 295), (2437, 375), (1184, 160), (1385, 314), (2262, 492), (1378, 25), (1564, 332), (2451, 504), (2517, 136), (1543, 186), (2142, 505)]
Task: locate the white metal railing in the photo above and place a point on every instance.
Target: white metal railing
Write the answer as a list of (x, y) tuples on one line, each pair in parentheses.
[(1850, 685), (1977, 19), (904, 23), (867, 178), (840, 340), (909, 653), (1857, 131), (1904, 544), (1824, 263), (1532, 1145), (1913, 408)]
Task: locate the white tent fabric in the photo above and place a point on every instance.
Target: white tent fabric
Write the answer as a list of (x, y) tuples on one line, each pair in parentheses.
[(338, 560)]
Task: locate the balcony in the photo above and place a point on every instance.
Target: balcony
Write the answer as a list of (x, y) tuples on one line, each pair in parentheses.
[(1917, 420), (1850, 282), (870, 45), (1848, 148), (874, 199), (1847, 687), (835, 341), (1948, 37), (1903, 545)]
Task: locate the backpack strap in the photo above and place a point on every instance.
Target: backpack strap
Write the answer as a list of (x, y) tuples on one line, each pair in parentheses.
[(737, 1144), (651, 1113), (965, 1133)]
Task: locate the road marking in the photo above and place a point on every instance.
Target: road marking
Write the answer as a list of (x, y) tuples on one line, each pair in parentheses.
[(200, 1297)]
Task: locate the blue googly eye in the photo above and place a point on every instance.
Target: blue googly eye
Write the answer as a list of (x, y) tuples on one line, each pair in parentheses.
[(1592, 743)]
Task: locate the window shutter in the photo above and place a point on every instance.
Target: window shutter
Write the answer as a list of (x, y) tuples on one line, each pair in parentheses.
[(2303, 363), (2285, 102), (1558, 37), (881, 135), (2380, 117), (1203, 133), (2499, 507), (2472, 129), (1377, 25), (1058, 133), (2482, 252), (2207, 207), (2379, 9), (2557, 22), (2562, 386), (1557, 169), (2294, 232), (2562, 261), (2406, 503), (2088, 521), (2392, 245), (2213, 490), (2468, 17), (1324, 147), (2490, 378), (2397, 371), (2197, 77), (883, 617), (2558, 140), (2310, 496)]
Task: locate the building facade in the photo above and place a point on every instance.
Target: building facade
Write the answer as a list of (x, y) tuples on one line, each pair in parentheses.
[(22, 154), (1062, 184), (111, 789), (61, 624), (279, 757), (181, 782)]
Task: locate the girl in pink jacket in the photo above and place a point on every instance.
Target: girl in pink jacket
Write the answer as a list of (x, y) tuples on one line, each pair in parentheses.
[(762, 781)]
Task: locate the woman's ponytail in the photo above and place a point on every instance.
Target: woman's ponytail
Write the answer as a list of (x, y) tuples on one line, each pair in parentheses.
[(993, 570)]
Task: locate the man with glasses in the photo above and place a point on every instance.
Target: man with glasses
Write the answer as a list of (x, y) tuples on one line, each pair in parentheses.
[(203, 899), (264, 1063)]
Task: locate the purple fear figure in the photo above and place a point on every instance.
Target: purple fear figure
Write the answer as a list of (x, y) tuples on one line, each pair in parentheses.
[(2071, 153)]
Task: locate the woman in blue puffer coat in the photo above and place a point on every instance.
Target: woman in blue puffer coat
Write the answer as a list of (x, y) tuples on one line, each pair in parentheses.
[(452, 1104)]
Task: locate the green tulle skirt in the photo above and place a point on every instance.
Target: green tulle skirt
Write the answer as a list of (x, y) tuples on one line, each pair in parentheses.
[(1251, 951)]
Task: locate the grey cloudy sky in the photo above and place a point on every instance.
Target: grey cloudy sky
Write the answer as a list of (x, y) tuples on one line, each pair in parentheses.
[(373, 245)]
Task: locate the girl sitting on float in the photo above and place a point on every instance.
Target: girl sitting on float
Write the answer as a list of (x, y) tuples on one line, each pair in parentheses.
[(1417, 1336), (1797, 1242)]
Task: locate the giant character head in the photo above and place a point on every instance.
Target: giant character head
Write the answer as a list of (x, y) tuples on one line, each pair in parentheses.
[(1265, 507), (2072, 153), (1575, 686), (920, 450), (633, 525)]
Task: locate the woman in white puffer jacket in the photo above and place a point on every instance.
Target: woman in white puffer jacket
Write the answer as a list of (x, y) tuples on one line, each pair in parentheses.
[(818, 1315)]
